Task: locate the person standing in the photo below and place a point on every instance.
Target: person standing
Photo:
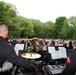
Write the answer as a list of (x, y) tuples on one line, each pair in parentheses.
[(70, 66), (7, 51)]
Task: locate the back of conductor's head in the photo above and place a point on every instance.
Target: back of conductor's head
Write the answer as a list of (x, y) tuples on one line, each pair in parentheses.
[(3, 29)]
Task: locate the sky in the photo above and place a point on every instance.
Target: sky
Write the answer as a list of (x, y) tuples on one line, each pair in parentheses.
[(44, 10)]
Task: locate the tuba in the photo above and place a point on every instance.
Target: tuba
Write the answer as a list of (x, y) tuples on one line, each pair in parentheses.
[(33, 47)]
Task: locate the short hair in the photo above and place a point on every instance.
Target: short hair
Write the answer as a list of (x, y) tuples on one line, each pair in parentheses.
[(3, 27), (3, 23)]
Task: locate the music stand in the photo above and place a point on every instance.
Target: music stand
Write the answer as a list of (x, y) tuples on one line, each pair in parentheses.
[(59, 53)]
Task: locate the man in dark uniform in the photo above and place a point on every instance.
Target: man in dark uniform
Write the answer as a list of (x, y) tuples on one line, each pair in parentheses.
[(7, 51), (70, 68)]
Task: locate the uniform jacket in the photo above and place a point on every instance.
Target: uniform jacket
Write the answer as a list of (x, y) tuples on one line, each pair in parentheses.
[(70, 68), (7, 52)]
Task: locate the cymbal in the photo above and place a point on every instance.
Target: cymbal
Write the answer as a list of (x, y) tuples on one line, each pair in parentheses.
[(31, 55)]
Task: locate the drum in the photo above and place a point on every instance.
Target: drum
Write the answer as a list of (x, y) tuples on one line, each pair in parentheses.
[(7, 66)]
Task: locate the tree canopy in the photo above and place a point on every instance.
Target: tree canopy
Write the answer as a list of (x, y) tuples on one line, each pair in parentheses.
[(23, 27)]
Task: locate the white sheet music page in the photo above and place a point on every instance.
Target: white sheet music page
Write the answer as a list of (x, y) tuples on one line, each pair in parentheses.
[(55, 54), (62, 52), (18, 47), (51, 49)]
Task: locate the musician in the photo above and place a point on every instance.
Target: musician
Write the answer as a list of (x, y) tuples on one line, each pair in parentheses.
[(52, 43), (70, 45), (70, 68), (7, 51), (44, 55)]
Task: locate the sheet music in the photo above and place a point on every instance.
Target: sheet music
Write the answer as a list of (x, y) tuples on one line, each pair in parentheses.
[(62, 52), (51, 49), (55, 55), (18, 47)]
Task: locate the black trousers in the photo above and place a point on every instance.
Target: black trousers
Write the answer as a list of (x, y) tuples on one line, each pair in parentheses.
[(0, 73)]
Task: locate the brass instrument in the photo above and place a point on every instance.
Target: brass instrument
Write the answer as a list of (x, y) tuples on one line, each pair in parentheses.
[(33, 48)]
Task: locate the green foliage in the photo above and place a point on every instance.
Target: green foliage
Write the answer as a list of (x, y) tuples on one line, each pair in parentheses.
[(6, 12), (58, 26), (38, 29), (26, 28), (23, 27), (6, 15), (48, 29), (68, 30), (72, 24)]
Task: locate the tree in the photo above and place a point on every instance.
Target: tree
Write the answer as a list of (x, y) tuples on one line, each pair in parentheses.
[(15, 28), (48, 29), (26, 27), (7, 12), (68, 30), (72, 24), (58, 26), (38, 29)]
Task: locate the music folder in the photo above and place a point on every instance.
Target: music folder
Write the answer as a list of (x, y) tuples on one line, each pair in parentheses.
[(57, 52)]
